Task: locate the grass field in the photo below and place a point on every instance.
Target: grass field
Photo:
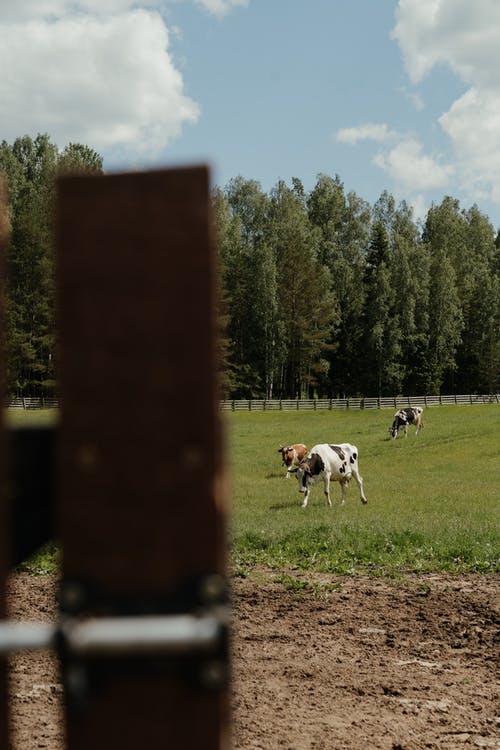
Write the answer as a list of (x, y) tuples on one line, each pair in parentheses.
[(433, 500)]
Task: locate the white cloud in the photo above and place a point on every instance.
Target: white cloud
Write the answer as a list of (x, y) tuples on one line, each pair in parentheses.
[(411, 168), (461, 34), (473, 125), (414, 97), (465, 37), (17, 10), (420, 207), (368, 132), (104, 81), (94, 71), (401, 156), (222, 7), (21, 10)]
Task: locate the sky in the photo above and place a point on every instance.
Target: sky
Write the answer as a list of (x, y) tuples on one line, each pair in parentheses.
[(396, 95)]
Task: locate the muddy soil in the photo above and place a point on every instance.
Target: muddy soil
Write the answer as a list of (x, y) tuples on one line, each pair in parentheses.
[(323, 663)]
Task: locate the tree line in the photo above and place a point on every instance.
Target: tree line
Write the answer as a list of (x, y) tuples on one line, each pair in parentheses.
[(325, 295), (321, 294)]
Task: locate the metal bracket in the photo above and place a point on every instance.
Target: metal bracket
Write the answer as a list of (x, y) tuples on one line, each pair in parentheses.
[(184, 632), (192, 646)]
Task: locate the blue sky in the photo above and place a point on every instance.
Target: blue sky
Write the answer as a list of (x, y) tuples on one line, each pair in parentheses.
[(397, 95)]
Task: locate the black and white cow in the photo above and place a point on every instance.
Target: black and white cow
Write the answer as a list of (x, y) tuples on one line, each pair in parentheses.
[(404, 417), (332, 463)]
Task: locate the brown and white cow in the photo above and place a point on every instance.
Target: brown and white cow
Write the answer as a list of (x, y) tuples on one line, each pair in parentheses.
[(332, 463), (404, 417), (292, 455)]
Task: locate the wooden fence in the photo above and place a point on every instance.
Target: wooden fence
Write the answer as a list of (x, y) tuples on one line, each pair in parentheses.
[(386, 402), (355, 403), (33, 402)]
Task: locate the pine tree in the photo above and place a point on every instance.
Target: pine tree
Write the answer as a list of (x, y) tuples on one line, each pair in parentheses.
[(307, 308), (343, 224), (31, 167), (382, 337)]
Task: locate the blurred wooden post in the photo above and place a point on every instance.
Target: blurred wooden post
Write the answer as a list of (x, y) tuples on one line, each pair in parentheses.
[(141, 498), (4, 511)]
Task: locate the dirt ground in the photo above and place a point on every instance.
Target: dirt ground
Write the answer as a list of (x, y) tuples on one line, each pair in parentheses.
[(327, 663)]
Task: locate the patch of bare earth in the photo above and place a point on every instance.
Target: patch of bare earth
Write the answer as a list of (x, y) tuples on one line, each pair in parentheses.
[(344, 663)]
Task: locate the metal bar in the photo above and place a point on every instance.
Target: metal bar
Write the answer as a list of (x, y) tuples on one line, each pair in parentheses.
[(108, 636), (26, 636), (175, 634)]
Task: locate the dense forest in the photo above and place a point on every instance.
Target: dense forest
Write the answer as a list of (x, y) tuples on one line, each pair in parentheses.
[(321, 293), (326, 295)]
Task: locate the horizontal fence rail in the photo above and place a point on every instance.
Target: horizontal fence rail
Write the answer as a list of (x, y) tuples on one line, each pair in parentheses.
[(35, 402), (391, 402), (299, 404)]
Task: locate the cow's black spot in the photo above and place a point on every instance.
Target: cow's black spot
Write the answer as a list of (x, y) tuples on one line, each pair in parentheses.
[(316, 464), (354, 457), (342, 468), (340, 453)]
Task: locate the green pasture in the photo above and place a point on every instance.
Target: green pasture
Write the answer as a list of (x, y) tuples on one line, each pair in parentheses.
[(30, 417), (433, 499)]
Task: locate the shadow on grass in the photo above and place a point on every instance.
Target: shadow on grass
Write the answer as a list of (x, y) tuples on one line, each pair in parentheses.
[(285, 505)]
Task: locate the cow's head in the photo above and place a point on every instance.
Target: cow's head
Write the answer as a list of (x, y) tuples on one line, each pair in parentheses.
[(400, 420), (286, 454), (304, 476), (308, 471)]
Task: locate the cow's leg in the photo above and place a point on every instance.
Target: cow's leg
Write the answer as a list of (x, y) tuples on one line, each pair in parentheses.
[(327, 488), (306, 498), (406, 429), (359, 479), (288, 472), (343, 491)]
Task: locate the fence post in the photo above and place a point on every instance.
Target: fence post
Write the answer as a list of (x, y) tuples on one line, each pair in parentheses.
[(135, 258)]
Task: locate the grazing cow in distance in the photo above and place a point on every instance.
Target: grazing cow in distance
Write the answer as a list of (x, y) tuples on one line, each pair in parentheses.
[(404, 417), (332, 463), (292, 455)]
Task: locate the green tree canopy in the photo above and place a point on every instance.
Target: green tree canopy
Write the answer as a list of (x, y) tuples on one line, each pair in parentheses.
[(31, 167)]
